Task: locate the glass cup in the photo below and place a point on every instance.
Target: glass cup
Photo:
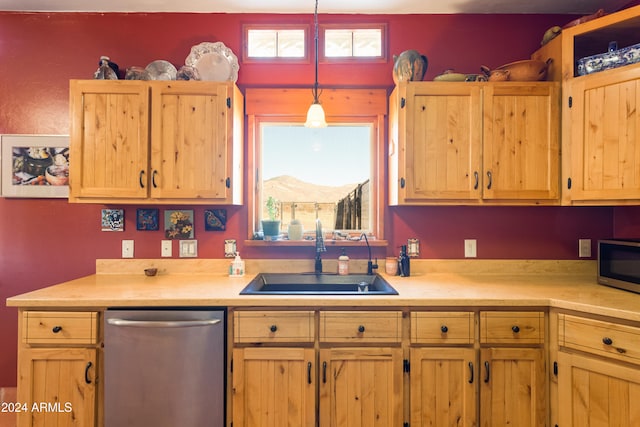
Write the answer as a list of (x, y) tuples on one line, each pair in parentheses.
[(391, 266)]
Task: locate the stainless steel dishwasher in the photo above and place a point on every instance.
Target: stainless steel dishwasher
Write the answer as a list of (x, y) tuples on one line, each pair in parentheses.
[(164, 368)]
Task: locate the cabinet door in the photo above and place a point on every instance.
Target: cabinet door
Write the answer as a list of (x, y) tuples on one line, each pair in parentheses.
[(109, 139), (603, 130), (443, 387), (361, 387), (274, 387), (521, 157), (189, 140), (597, 393), (58, 385), (443, 142), (513, 387)]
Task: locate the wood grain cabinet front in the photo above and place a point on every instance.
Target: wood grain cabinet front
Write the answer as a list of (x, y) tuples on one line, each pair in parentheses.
[(273, 326), (428, 327), (55, 327), (357, 327)]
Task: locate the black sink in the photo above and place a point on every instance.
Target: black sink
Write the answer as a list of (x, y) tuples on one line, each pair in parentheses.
[(318, 284)]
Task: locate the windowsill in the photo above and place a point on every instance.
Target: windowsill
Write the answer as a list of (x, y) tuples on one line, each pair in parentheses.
[(327, 243)]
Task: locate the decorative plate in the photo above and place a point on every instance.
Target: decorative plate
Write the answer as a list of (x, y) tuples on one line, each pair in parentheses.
[(214, 62), (161, 70)]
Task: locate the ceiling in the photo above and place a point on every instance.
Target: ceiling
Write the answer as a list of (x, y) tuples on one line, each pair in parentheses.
[(585, 7)]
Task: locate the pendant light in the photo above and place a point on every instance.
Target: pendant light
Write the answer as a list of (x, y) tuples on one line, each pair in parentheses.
[(315, 115)]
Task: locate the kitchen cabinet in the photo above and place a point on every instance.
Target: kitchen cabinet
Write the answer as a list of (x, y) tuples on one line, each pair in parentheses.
[(474, 143), (444, 377), (57, 369), (155, 142), (513, 387), (598, 371), (601, 123)]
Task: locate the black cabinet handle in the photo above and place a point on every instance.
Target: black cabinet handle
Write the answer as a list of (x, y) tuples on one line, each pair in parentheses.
[(490, 178), (227, 182), (324, 372), (515, 329), (487, 372), (402, 183), (470, 372), (607, 341), (476, 178), (309, 372), (361, 328), (153, 178), (56, 329), (86, 373), (444, 329), (140, 178), (273, 328)]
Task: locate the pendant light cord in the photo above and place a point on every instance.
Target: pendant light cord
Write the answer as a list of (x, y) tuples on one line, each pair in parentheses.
[(315, 86)]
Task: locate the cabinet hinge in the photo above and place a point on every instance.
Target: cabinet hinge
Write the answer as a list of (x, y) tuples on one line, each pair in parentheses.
[(406, 366), (555, 368), (568, 183), (570, 100), (228, 102), (403, 102)]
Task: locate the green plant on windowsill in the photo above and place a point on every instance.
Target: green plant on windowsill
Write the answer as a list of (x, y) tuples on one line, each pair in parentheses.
[(271, 226)]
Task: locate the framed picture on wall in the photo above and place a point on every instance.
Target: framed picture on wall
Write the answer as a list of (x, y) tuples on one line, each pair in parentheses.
[(34, 165)]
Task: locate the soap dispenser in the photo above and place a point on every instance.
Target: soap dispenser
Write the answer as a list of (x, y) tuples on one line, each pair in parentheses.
[(343, 264), (404, 262), (236, 269)]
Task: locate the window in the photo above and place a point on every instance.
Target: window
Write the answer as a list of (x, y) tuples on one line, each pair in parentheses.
[(275, 43), (346, 42), (334, 174)]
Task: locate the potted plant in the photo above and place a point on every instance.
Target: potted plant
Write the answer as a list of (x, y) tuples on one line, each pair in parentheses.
[(271, 226)]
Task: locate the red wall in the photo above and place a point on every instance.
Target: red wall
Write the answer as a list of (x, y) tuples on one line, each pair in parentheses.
[(45, 241)]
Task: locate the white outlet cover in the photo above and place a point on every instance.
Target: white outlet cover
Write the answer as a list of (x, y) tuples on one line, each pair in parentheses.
[(470, 248), (127, 249), (166, 248), (584, 248)]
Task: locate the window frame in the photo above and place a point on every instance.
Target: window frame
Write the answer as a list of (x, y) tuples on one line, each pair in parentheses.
[(275, 59), (347, 59), (289, 105)]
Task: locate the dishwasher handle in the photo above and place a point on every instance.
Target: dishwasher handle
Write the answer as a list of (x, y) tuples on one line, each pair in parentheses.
[(162, 323)]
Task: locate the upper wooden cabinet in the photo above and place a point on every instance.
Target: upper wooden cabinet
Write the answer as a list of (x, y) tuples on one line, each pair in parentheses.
[(600, 118), (474, 143), (156, 142)]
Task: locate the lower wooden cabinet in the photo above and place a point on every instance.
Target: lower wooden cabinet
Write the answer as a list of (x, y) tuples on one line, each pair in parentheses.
[(274, 387), (443, 387), (361, 387), (595, 392), (57, 387)]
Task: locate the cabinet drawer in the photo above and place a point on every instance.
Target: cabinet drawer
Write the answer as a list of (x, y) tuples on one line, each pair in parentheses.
[(512, 327), (361, 326), (442, 327), (273, 326), (60, 327), (609, 339)]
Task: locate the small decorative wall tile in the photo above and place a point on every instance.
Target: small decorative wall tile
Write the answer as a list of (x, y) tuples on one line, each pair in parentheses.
[(147, 219), (178, 224), (215, 219), (230, 248), (112, 220)]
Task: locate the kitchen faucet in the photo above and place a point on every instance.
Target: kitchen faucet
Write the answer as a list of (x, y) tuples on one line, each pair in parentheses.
[(370, 264), (319, 247)]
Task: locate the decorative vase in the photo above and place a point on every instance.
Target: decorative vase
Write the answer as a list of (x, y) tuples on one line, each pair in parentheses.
[(410, 65), (295, 230), (271, 229)]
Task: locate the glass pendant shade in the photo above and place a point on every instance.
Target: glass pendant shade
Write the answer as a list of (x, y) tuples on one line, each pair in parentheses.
[(315, 116)]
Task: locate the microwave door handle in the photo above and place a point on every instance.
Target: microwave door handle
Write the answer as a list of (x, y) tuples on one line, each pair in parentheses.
[(162, 323)]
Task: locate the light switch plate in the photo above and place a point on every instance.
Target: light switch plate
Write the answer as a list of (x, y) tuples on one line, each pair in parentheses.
[(127, 249), (166, 248), (188, 248), (470, 250), (584, 248)]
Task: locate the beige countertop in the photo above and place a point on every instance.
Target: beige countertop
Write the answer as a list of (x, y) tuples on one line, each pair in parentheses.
[(569, 285)]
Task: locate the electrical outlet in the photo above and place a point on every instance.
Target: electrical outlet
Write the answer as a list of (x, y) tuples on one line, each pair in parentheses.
[(470, 250), (584, 248), (127, 249), (188, 248), (166, 248)]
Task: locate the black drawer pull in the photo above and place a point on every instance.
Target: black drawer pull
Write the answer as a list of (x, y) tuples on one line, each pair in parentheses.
[(273, 328), (444, 329), (361, 328), (515, 329), (607, 341), (56, 329)]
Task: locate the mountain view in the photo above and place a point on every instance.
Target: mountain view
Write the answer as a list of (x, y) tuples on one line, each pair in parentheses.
[(286, 188)]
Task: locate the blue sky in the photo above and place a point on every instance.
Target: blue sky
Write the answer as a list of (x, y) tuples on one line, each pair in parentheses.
[(330, 156)]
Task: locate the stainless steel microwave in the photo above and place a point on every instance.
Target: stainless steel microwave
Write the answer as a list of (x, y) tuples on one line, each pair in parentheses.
[(619, 264)]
